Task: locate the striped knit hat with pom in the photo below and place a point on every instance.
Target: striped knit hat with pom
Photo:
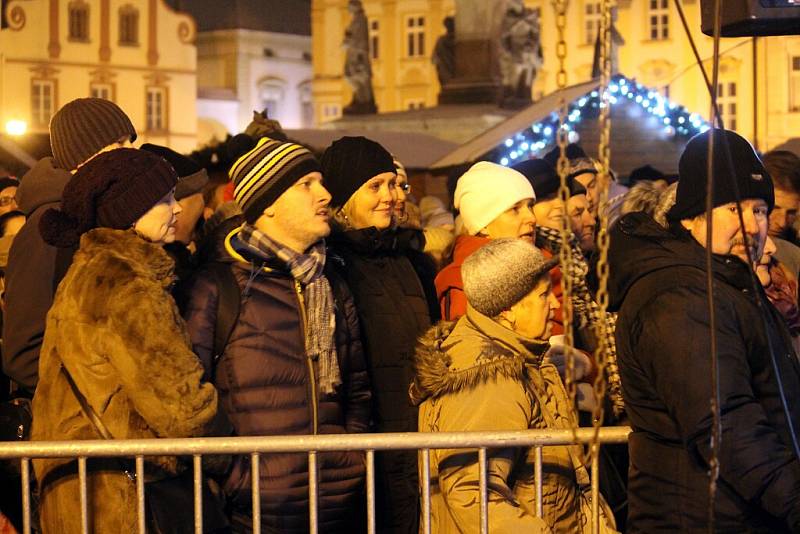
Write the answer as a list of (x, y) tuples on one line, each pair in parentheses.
[(261, 175), (85, 125)]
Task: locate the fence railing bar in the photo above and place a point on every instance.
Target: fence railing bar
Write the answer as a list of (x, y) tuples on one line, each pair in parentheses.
[(82, 490), (255, 476), (313, 493), (483, 493), (537, 474), (303, 444), (595, 488), (426, 491), (140, 511), (25, 470), (197, 464), (371, 492)]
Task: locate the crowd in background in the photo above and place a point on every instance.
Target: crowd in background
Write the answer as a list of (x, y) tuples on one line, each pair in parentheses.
[(259, 288)]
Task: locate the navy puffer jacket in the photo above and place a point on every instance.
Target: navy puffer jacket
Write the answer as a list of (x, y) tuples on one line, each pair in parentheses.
[(266, 387)]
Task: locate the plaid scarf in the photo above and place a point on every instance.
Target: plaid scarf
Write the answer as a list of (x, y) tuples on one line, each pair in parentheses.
[(320, 318), (587, 311)]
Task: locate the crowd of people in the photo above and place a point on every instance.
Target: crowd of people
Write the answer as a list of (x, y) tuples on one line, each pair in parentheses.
[(259, 288)]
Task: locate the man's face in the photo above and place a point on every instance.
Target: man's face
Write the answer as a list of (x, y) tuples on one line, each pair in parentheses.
[(299, 217), (727, 237), (581, 221), (784, 213), (7, 202), (589, 181)]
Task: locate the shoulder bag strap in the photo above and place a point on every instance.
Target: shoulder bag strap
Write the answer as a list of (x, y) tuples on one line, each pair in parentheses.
[(87, 410)]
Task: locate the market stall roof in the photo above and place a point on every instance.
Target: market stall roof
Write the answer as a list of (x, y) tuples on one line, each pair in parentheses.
[(483, 143), (414, 150)]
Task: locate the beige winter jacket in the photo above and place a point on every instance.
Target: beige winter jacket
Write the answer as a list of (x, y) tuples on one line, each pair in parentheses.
[(116, 329), (476, 375)]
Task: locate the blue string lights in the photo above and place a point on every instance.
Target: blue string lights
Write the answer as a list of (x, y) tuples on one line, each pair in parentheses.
[(677, 121)]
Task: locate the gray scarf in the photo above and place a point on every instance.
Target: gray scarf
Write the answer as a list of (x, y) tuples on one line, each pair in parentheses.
[(320, 318)]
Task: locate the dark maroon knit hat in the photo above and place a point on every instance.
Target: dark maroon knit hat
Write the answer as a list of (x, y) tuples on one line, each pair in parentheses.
[(85, 125), (112, 190)]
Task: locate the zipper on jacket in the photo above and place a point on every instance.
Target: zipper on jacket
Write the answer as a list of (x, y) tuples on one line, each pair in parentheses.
[(312, 377)]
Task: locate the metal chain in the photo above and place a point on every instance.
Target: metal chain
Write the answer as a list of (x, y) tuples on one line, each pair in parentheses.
[(565, 253), (604, 156)]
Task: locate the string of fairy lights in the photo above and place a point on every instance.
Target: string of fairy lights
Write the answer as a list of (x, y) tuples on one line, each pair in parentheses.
[(677, 121)]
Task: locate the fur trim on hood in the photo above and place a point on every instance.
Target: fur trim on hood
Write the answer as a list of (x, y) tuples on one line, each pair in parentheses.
[(434, 371)]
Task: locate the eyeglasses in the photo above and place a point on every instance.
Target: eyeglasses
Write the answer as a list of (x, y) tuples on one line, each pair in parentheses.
[(5, 201)]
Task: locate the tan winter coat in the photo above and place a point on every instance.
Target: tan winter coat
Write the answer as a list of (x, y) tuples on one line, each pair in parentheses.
[(476, 375), (116, 329)]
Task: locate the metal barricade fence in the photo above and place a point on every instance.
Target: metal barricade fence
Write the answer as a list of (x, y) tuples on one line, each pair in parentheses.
[(312, 445)]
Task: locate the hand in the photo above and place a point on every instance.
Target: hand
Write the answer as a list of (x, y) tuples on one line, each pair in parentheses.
[(557, 356)]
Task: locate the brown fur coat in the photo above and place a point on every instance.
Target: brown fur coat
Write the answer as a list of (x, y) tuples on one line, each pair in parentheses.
[(115, 327)]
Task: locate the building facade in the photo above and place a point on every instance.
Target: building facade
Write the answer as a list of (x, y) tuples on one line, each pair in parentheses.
[(251, 55), (759, 81), (138, 53)]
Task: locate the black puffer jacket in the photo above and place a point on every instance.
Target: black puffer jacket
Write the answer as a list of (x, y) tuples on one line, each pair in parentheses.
[(266, 387), (658, 282), (393, 312)]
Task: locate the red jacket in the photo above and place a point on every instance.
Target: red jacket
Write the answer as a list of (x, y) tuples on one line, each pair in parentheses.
[(449, 286)]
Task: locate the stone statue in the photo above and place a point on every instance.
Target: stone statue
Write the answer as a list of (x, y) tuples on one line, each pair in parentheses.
[(444, 53), (357, 69), (520, 53), (616, 42)]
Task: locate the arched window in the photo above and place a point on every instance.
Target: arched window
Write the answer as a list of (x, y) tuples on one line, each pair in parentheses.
[(128, 26), (79, 21), (271, 93), (306, 104)]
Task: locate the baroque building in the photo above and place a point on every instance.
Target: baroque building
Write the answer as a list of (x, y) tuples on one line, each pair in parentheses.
[(252, 55), (137, 53), (759, 79)]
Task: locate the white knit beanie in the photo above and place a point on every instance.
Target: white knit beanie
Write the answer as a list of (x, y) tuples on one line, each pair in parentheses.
[(486, 190)]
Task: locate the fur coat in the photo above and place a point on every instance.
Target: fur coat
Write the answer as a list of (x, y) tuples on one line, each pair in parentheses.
[(115, 328)]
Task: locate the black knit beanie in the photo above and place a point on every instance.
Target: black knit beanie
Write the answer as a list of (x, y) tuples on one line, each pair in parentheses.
[(349, 162), (112, 190), (82, 127), (545, 180), (748, 171), (192, 178)]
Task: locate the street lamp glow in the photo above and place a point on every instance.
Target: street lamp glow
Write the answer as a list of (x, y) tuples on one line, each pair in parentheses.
[(16, 127)]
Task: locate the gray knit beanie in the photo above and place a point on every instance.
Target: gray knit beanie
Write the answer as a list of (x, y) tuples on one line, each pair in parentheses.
[(501, 273)]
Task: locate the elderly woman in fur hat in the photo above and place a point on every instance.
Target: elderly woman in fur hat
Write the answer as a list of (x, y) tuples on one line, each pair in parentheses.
[(487, 372), (114, 337)]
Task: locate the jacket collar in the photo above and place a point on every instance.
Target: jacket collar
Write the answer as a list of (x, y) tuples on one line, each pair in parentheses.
[(132, 248)]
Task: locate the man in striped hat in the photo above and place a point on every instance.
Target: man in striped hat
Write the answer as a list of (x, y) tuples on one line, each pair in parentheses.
[(286, 357), (79, 131)]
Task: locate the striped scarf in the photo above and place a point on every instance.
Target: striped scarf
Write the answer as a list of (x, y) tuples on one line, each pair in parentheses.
[(587, 311), (307, 270)]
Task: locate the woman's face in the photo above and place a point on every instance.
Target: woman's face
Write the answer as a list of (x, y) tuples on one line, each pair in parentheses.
[(763, 265), (518, 221), (158, 224), (533, 315), (373, 203), (549, 213), (402, 189)]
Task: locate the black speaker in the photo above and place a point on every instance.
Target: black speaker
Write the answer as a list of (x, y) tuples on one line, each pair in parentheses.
[(742, 18)]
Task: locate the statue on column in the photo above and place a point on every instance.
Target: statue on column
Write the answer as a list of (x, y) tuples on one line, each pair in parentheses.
[(616, 41), (357, 68), (444, 53), (520, 54)]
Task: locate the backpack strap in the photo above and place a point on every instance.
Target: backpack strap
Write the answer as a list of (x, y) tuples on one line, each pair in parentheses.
[(228, 307)]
